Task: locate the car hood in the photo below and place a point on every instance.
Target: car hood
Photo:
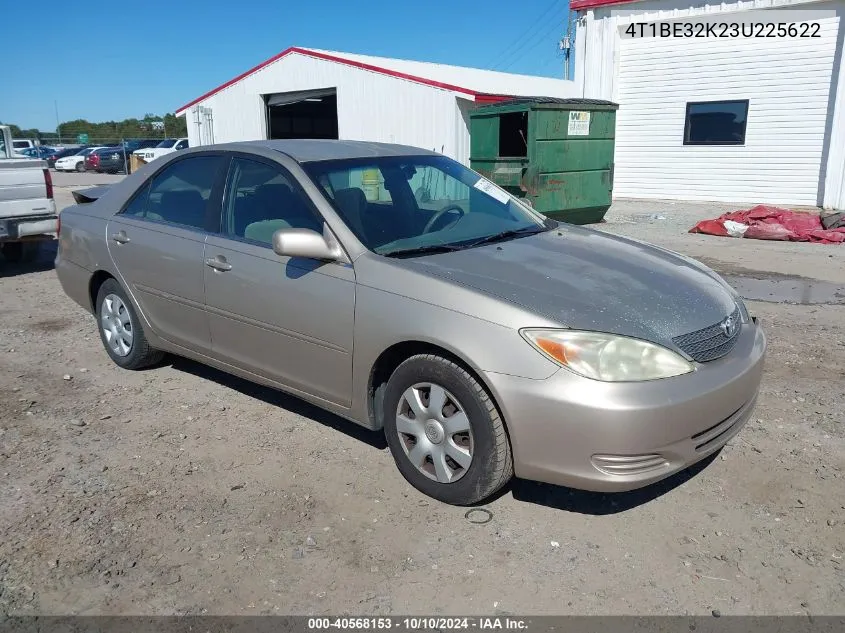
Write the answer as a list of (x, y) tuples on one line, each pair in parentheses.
[(589, 280)]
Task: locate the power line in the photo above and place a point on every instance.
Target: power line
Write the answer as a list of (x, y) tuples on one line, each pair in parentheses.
[(503, 54), (526, 36), (554, 59), (555, 25)]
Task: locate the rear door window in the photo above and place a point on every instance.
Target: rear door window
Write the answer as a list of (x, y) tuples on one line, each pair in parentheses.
[(180, 194)]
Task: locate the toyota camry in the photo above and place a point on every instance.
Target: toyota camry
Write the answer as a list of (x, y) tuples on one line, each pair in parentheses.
[(401, 290)]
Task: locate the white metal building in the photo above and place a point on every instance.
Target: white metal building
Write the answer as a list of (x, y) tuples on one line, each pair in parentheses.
[(323, 94), (737, 119)]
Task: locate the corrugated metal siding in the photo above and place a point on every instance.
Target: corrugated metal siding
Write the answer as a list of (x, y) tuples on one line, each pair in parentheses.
[(834, 183), (781, 159), (462, 129), (371, 106), (786, 150)]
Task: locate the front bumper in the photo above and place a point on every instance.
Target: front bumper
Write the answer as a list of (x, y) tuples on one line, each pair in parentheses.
[(18, 228), (611, 437)]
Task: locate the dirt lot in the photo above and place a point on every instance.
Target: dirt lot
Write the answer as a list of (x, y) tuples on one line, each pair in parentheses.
[(183, 490)]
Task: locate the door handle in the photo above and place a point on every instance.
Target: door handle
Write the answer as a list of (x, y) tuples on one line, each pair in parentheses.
[(218, 264), (120, 237)]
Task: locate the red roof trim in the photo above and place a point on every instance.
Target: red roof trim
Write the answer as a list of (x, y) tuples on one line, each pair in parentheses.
[(580, 5), (481, 98), (349, 62)]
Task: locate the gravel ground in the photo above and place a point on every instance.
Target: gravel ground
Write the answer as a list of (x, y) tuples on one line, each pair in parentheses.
[(183, 490)]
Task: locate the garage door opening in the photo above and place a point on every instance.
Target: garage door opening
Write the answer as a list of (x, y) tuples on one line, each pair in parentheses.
[(307, 114)]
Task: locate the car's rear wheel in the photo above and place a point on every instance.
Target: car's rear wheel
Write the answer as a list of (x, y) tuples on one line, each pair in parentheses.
[(120, 329), (445, 432), (80, 166)]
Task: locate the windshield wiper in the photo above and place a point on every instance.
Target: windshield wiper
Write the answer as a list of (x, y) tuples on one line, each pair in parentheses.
[(498, 237), (420, 250), (445, 248)]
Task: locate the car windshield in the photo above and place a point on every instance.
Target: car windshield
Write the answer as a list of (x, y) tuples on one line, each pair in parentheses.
[(413, 204), (168, 142)]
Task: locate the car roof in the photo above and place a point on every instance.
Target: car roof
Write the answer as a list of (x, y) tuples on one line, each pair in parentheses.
[(310, 150)]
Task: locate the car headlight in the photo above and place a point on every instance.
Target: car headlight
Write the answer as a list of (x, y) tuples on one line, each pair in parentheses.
[(607, 357)]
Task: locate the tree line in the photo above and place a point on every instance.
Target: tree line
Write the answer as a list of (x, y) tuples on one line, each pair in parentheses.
[(151, 126)]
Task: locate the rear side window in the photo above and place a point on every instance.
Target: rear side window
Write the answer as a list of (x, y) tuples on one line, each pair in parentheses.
[(179, 194), (138, 206)]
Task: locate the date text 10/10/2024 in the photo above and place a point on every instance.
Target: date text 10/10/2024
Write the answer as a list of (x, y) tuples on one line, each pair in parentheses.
[(417, 624)]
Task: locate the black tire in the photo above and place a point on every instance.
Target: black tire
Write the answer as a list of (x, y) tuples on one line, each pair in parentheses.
[(20, 252), (140, 354), (80, 166), (492, 464)]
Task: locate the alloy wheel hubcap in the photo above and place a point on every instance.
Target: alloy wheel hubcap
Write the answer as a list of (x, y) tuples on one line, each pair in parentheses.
[(116, 325), (434, 432)]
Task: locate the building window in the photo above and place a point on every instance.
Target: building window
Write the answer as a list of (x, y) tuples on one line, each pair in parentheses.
[(716, 122)]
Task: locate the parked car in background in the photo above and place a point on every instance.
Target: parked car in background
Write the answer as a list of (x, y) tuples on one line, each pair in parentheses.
[(27, 209), (140, 143), (39, 151), (110, 160), (62, 153), (75, 162), (117, 159), (114, 158), (23, 143), (163, 148), (483, 338), (92, 159)]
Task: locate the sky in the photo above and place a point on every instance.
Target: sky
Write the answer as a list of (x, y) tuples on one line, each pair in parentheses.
[(116, 60)]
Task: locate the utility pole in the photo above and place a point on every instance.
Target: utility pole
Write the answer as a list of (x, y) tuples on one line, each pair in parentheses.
[(565, 46), (58, 125)]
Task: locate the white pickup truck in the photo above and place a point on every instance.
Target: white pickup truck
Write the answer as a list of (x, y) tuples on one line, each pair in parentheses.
[(27, 209)]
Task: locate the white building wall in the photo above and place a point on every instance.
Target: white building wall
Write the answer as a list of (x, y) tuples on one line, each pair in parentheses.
[(371, 106), (834, 182), (793, 152)]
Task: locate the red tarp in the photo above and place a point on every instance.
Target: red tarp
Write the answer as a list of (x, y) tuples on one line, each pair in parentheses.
[(772, 223)]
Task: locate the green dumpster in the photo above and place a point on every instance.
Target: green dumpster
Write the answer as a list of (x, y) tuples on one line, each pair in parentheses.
[(555, 153)]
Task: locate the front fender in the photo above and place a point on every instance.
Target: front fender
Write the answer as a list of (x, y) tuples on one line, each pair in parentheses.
[(384, 319)]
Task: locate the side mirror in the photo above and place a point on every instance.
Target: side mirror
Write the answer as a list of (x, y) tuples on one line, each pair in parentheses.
[(304, 243)]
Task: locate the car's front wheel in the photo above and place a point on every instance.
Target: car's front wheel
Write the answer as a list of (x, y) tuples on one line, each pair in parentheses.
[(80, 167), (445, 432), (120, 329)]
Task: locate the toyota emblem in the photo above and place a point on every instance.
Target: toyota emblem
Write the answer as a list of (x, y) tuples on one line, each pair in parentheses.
[(729, 327)]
